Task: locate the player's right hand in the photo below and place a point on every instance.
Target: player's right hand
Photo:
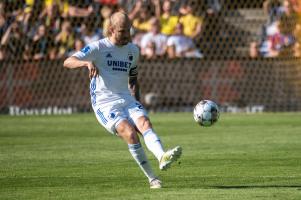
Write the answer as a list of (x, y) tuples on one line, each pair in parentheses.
[(93, 71)]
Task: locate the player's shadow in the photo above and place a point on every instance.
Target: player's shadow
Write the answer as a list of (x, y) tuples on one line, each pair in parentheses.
[(229, 183), (254, 186), (231, 187)]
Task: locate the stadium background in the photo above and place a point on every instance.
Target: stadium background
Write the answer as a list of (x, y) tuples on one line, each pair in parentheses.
[(233, 71)]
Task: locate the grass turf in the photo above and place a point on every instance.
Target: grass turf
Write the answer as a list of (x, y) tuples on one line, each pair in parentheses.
[(244, 156)]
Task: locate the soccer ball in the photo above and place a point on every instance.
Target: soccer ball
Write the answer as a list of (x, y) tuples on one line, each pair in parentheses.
[(206, 113)]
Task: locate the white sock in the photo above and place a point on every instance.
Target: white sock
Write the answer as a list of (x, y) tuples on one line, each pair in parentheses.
[(153, 143), (138, 154)]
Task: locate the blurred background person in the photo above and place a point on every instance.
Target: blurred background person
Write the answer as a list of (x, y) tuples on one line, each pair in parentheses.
[(106, 12), (141, 21), (65, 39), (13, 41), (179, 45), (41, 42), (89, 33), (141, 16), (153, 44), (78, 45), (4, 22), (51, 15), (192, 23), (168, 20)]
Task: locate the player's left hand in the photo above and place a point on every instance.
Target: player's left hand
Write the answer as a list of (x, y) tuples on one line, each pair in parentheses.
[(93, 72)]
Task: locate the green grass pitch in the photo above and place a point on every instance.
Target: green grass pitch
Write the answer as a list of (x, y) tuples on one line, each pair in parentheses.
[(243, 157)]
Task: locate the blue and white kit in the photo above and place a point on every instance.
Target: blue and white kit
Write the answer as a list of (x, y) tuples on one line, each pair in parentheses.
[(110, 97)]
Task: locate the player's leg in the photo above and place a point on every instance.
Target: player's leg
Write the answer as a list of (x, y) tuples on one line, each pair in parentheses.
[(114, 120), (128, 133), (154, 144), (151, 139)]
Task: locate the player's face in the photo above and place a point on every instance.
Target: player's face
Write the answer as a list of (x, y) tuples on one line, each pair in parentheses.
[(122, 34)]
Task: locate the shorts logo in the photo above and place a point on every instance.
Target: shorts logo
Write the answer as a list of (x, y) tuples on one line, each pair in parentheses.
[(112, 116), (85, 49), (139, 106)]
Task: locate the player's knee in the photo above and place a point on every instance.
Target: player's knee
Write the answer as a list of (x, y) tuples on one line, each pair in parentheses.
[(144, 124), (128, 133)]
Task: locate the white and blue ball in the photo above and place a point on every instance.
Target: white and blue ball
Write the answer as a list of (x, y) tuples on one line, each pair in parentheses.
[(206, 113)]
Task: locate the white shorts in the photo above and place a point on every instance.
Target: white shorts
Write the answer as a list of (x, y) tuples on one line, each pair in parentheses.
[(110, 116)]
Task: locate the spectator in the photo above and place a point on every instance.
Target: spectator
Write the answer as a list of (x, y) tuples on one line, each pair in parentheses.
[(277, 36), (29, 5), (89, 33), (213, 6), (78, 45), (253, 50), (141, 17), (192, 23), (81, 8), (278, 41), (297, 50), (127, 5), (40, 43), (153, 44), (28, 10), (179, 45), (167, 20), (296, 5), (271, 8), (288, 18), (297, 34), (65, 39), (77, 11), (106, 13), (13, 41), (50, 16), (29, 17), (3, 19)]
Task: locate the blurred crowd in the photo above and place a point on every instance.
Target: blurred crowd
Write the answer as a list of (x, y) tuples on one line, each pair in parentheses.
[(54, 29), (281, 34)]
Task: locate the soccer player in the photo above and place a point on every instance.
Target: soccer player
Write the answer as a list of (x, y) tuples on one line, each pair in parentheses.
[(113, 70)]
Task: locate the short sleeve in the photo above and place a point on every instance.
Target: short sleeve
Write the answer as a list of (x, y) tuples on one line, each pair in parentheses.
[(87, 53)]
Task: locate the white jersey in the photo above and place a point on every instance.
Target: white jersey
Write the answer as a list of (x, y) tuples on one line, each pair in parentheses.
[(115, 64)]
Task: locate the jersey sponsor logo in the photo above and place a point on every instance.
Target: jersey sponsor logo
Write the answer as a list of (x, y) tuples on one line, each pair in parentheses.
[(119, 65), (85, 49), (116, 63)]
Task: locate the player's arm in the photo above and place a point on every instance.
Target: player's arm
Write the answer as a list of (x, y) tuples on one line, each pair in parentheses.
[(73, 62), (134, 87)]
